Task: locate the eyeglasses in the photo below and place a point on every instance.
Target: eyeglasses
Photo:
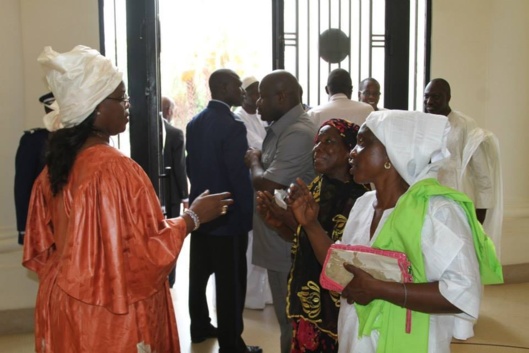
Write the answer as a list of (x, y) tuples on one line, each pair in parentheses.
[(124, 99)]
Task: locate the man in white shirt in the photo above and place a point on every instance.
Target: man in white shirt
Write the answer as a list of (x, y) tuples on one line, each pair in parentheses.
[(474, 166), (340, 106), (369, 92), (255, 127), (257, 288)]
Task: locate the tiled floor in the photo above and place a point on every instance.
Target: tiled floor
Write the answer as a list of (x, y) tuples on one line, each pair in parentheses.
[(503, 326)]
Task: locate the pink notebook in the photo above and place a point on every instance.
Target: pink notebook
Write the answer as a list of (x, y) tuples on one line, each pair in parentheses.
[(385, 265)]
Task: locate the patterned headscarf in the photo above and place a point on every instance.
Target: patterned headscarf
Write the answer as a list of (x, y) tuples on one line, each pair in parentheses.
[(347, 130)]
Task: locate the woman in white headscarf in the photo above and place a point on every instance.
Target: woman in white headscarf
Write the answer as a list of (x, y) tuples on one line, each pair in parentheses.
[(96, 235), (436, 227)]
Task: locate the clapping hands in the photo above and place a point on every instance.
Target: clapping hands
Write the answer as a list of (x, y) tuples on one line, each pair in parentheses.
[(302, 204), (268, 209)]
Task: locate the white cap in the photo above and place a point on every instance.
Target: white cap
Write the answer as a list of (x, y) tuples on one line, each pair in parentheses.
[(248, 81), (79, 79)]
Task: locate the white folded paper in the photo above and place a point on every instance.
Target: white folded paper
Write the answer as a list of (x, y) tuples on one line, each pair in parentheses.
[(379, 266)]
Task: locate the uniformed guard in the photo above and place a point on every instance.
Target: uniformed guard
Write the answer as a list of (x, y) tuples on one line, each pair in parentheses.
[(29, 162)]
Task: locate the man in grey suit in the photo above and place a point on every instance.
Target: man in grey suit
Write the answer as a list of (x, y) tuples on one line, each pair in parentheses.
[(286, 155)]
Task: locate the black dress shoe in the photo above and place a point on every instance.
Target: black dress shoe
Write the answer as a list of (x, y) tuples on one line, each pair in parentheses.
[(197, 337), (254, 349)]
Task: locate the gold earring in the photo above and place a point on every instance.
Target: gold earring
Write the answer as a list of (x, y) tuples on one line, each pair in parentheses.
[(387, 165)]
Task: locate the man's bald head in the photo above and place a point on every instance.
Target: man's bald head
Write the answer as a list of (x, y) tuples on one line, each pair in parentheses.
[(168, 106), (437, 95), (339, 81), (284, 82), (440, 84), (279, 92), (225, 86)]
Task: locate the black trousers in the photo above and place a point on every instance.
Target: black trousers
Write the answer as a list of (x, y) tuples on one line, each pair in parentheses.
[(224, 256)]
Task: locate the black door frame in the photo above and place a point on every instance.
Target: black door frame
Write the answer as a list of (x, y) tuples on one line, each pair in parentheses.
[(143, 70), (397, 54), (397, 39)]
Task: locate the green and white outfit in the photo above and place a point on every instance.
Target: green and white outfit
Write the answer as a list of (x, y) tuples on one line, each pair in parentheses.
[(436, 227)]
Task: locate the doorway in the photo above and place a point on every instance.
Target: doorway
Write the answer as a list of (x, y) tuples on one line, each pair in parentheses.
[(385, 39)]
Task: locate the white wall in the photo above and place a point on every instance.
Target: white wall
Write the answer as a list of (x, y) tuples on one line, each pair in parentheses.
[(459, 52), (12, 108), (61, 24), (11, 124), (28, 26), (508, 104), (507, 115), (481, 47)]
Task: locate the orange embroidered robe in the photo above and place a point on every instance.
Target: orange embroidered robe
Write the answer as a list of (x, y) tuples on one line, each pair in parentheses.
[(102, 251)]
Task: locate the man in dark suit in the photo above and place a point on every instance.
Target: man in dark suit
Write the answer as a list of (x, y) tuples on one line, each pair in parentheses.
[(29, 162), (216, 145), (174, 157)]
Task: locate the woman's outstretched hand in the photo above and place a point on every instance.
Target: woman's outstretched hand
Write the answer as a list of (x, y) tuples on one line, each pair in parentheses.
[(208, 207), (302, 204)]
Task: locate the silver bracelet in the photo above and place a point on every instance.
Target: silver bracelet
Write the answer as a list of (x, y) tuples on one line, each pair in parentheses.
[(194, 217), (405, 295)]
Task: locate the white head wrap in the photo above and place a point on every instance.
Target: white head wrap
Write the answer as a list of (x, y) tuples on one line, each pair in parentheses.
[(413, 140), (79, 79)]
